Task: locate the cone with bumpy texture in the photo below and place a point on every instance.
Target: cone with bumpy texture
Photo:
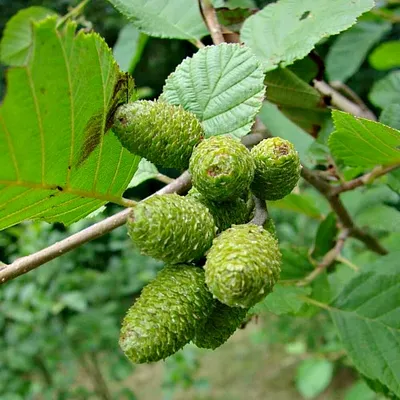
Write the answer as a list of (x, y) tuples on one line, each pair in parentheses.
[(220, 326), (162, 133), (243, 265), (171, 228), (167, 314), (225, 214), (277, 168), (221, 168)]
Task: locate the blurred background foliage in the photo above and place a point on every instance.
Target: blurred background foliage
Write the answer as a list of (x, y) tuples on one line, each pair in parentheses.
[(59, 324)]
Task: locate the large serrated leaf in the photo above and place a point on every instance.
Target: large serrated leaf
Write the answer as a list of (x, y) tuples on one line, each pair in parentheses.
[(296, 99), (58, 161), (289, 29), (360, 142), (386, 91), (367, 316), (178, 19), (350, 49), (222, 85)]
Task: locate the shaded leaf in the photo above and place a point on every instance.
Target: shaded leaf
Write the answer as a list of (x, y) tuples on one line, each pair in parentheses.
[(325, 238), (289, 29), (129, 47), (386, 56), (386, 91), (298, 203), (367, 316), (391, 116), (146, 170), (296, 99), (360, 142), (313, 377), (222, 85), (283, 300), (295, 263), (360, 391), (351, 48), (179, 19), (17, 35), (59, 164), (381, 218)]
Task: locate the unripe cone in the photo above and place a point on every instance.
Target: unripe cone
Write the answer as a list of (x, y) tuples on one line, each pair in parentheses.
[(162, 133), (277, 168), (243, 265), (171, 228), (225, 214), (220, 326), (221, 168), (166, 315)]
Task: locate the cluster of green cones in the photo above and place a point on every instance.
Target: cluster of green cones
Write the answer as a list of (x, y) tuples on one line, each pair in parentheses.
[(218, 262)]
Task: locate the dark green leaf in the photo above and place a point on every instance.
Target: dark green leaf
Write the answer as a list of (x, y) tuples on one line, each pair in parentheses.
[(325, 238), (391, 116), (386, 91)]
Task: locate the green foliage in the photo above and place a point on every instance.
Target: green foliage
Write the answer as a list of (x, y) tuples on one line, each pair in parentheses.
[(365, 143), (386, 56), (171, 228), (221, 168), (351, 48), (222, 85), (65, 176), (386, 91), (179, 19), (167, 314), (292, 28)]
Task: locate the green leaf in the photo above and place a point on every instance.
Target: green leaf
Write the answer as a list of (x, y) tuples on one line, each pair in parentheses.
[(74, 300), (386, 91), (296, 99), (313, 377), (295, 263), (360, 391), (283, 300), (222, 85), (58, 162), (279, 125), (386, 56), (360, 142), (351, 48), (394, 181), (299, 203), (381, 218), (289, 29), (231, 4), (178, 19), (146, 170), (17, 36), (386, 265), (325, 238), (129, 47), (391, 116), (367, 316)]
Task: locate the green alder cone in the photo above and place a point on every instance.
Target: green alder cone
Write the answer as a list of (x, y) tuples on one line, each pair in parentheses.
[(166, 315), (162, 133), (222, 168), (171, 228), (269, 226), (225, 214), (220, 326), (243, 265), (277, 168)]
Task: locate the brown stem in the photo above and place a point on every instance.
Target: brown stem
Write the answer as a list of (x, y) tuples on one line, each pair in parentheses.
[(340, 210), (25, 264), (328, 259), (363, 180), (261, 212), (342, 102), (101, 384), (211, 20)]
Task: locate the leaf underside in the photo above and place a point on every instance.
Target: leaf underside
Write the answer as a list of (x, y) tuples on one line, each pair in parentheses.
[(59, 163)]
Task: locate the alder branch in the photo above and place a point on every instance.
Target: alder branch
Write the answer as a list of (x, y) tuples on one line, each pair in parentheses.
[(211, 20), (25, 264), (342, 102), (340, 210), (363, 180), (260, 213), (328, 259)]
